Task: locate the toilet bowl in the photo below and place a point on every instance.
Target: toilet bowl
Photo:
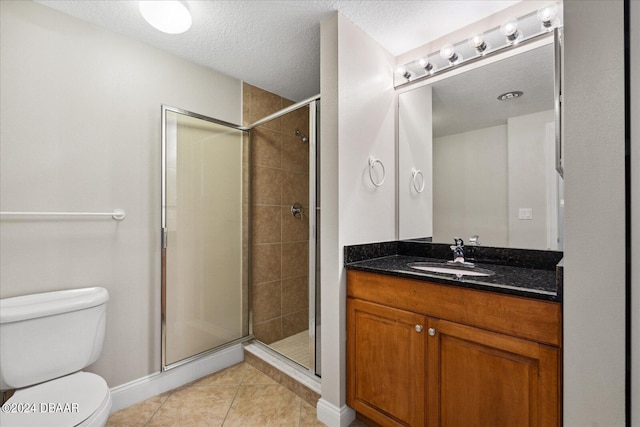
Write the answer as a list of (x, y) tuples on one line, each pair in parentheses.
[(45, 341), (80, 399)]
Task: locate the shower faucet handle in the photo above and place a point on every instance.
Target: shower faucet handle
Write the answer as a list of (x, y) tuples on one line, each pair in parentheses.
[(302, 136), (296, 210)]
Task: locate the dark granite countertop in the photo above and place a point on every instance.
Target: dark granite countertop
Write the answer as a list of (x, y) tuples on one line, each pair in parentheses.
[(532, 274)]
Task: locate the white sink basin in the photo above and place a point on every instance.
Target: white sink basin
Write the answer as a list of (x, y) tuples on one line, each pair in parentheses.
[(450, 269)]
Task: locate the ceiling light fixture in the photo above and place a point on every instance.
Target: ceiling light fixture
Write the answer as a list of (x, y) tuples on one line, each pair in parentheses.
[(448, 52), (485, 43), (168, 16)]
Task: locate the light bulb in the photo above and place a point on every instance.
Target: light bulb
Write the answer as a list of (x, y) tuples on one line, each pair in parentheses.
[(168, 16), (477, 42), (448, 52), (510, 30), (403, 72), (548, 16), (547, 12), (428, 66)]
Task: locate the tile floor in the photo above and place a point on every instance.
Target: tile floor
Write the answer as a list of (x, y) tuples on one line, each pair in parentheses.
[(239, 396)]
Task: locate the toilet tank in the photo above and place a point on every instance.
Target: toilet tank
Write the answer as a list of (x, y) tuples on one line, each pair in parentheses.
[(49, 335)]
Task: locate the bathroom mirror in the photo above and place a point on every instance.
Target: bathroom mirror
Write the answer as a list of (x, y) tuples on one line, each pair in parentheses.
[(472, 164)]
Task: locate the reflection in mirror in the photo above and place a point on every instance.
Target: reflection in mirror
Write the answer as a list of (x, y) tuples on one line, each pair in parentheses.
[(491, 161)]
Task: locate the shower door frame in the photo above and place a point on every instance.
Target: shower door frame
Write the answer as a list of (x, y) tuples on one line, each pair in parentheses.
[(163, 244), (312, 103)]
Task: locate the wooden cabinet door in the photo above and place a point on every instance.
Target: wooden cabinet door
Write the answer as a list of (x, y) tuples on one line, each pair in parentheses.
[(481, 378), (386, 363)]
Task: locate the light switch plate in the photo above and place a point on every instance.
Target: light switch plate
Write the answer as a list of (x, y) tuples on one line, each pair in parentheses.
[(525, 213)]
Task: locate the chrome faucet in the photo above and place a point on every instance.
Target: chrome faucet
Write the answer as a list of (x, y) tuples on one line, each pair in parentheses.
[(474, 242), (458, 250)]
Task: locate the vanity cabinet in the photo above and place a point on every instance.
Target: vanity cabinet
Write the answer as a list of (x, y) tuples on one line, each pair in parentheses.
[(425, 354)]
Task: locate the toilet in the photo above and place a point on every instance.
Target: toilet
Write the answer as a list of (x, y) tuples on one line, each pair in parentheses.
[(45, 341)]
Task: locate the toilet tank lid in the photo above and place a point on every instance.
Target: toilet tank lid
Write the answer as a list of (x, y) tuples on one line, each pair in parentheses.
[(45, 304)]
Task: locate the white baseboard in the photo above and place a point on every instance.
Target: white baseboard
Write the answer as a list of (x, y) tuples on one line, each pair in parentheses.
[(334, 416), (152, 385)]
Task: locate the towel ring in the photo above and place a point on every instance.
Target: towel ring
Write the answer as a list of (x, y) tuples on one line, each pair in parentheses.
[(372, 163), (414, 179)]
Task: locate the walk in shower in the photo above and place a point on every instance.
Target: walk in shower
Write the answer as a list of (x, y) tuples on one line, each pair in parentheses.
[(239, 217), (284, 245)]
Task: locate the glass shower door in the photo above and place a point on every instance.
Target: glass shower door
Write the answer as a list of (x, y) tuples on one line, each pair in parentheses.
[(204, 222)]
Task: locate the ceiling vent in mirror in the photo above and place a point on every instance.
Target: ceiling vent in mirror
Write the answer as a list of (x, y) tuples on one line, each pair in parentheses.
[(168, 16), (510, 95)]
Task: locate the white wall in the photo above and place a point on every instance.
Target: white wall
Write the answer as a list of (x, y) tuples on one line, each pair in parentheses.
[(80, 131), (470, 191), (358, 120), (415, 152), (526, 137), (594, 277)]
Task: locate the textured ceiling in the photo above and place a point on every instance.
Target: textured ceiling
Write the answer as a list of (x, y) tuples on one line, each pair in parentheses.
[(275, 45)]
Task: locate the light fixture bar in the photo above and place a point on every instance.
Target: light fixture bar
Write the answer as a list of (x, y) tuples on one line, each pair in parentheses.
[(514, 32)]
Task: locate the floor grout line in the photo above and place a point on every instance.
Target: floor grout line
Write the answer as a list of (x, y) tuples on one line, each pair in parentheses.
[(231, 404), (159, 406), (234, 397)]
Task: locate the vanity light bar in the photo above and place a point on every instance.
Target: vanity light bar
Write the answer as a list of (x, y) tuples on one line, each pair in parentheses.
[(512, 32)]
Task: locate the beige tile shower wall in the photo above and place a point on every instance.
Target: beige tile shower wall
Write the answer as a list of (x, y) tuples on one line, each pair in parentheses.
[(280, 177)]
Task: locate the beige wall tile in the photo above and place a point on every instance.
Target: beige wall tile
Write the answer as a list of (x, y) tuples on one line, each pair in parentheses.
[(266, 265), (295, 188), (247, 96), (266, 147), (263, 104), (267, 224), (294, 229), (267, 186), (266, 301), (295, 259), (295, 154), (295, 294), (298, 119), (294, 323), (279, 167), (269, 331)]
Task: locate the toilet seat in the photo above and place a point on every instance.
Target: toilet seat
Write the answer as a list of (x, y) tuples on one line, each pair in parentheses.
[(80, 399)]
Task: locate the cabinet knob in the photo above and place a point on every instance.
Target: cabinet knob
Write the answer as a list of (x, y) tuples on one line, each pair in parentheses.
[(432, 331), (418, 328)]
